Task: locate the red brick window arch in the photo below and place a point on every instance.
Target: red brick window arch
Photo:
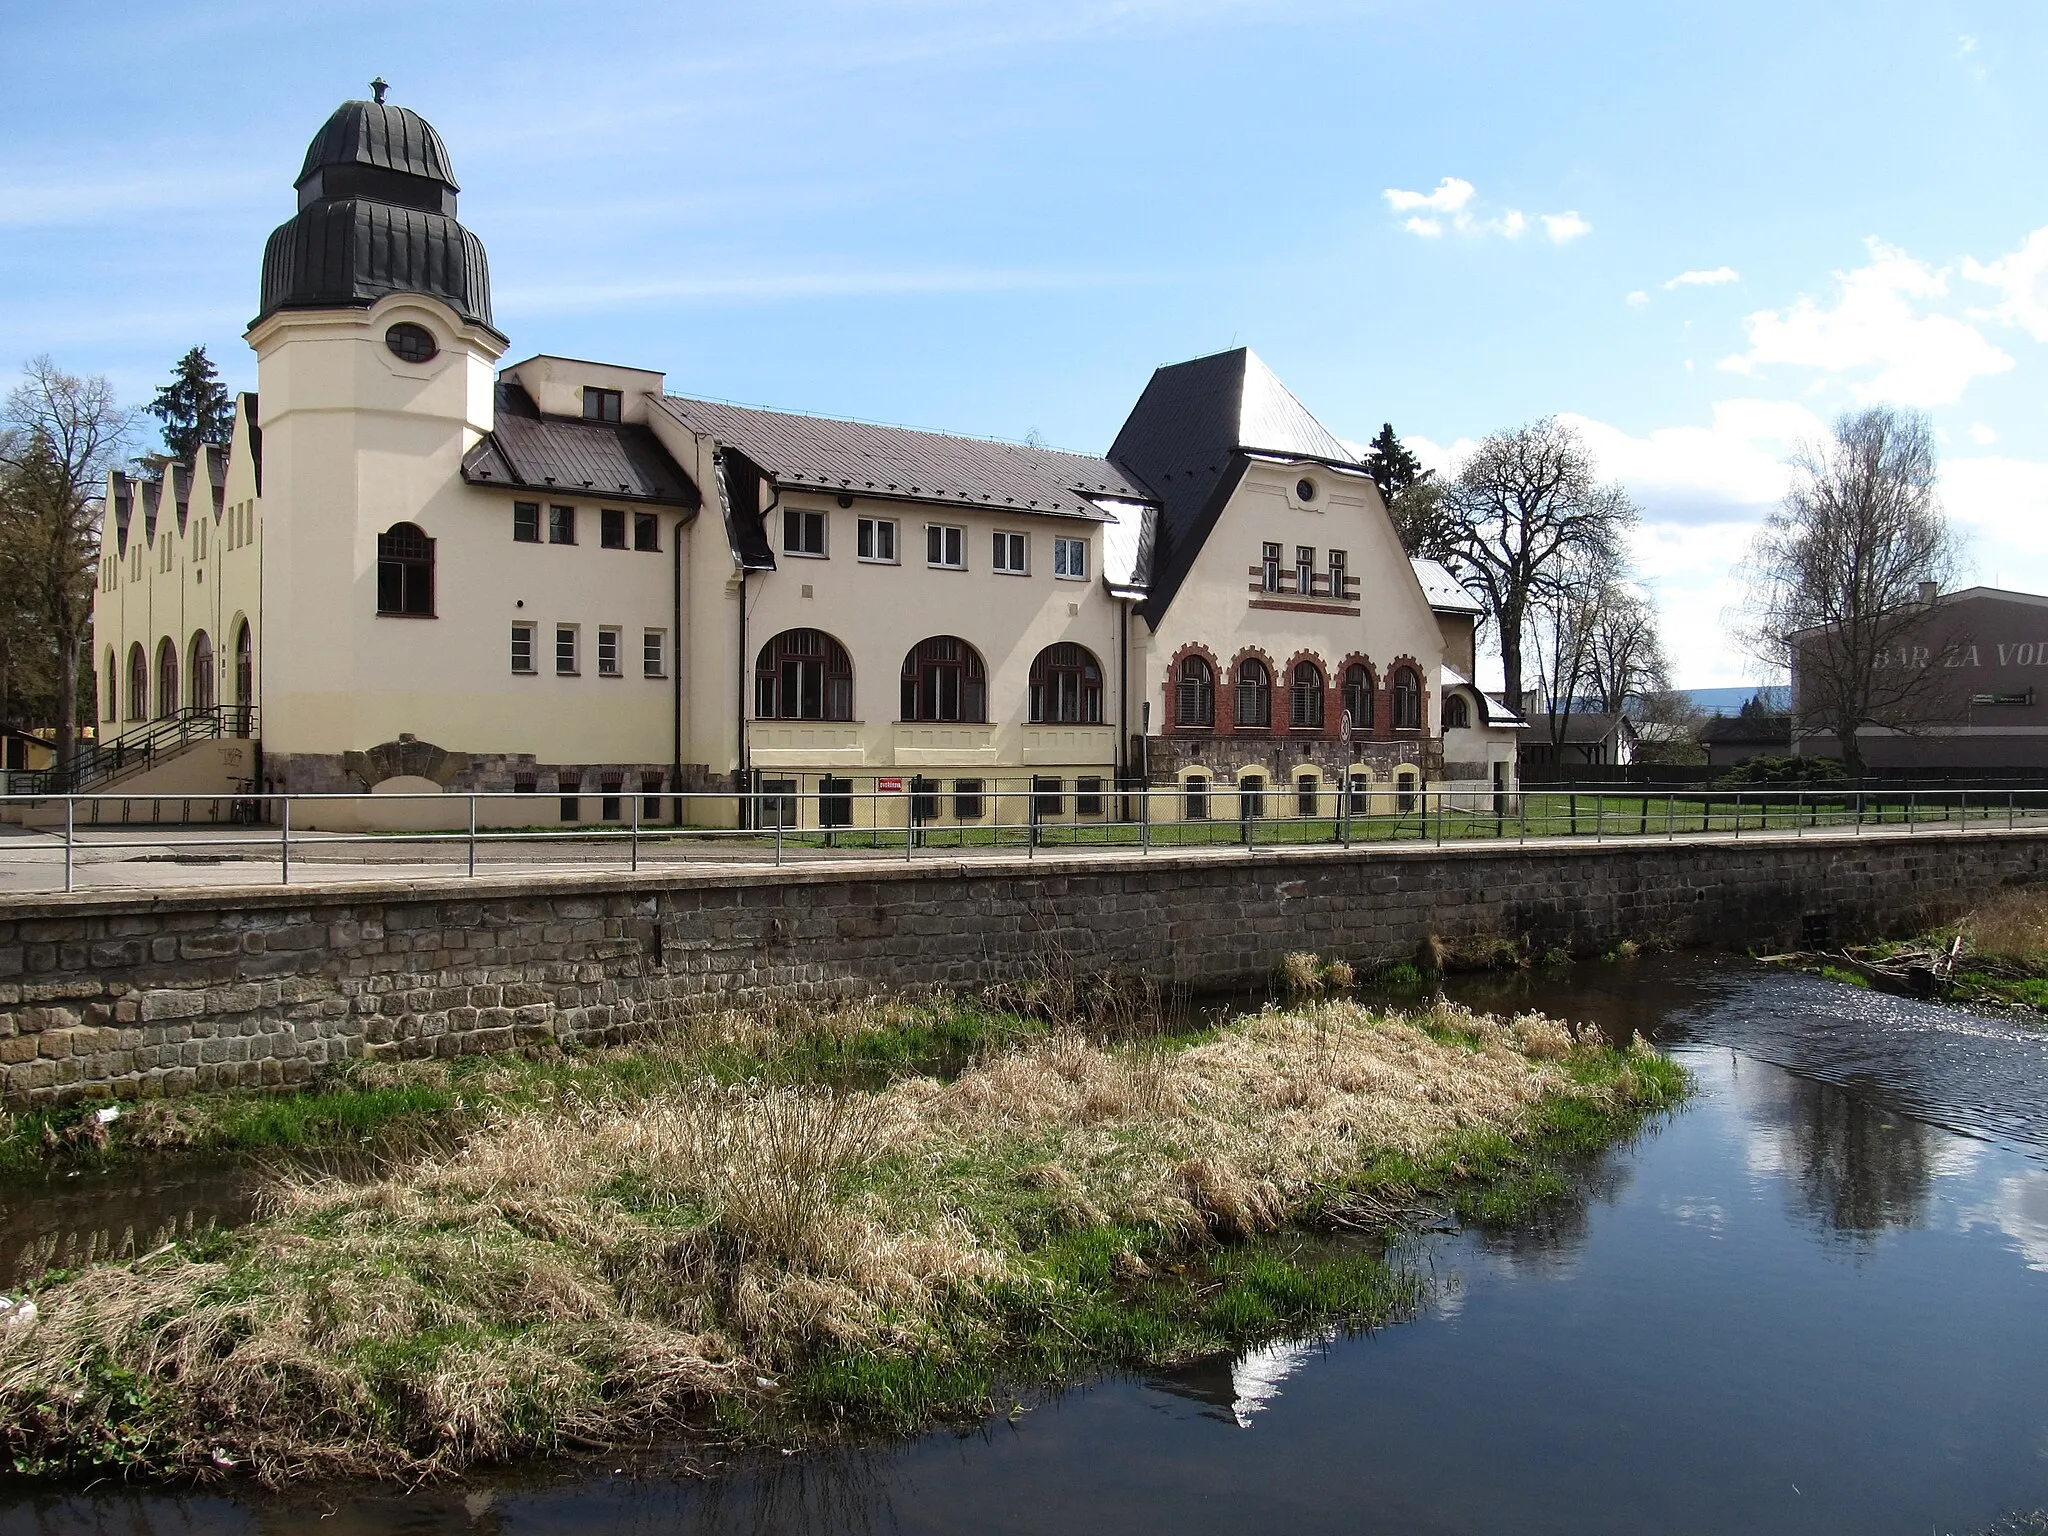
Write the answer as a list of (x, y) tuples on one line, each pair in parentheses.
[(1407, 693), (1254, 709), (1358, 694), (1305, 696), (1194, 693)]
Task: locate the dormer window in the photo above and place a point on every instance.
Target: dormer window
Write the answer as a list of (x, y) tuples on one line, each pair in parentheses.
[(601, 404)]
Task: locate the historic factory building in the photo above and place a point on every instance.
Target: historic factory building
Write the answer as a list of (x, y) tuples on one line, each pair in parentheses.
[(413, 568)]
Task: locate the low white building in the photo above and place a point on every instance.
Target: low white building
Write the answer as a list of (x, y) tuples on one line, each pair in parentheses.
[(412, 568)]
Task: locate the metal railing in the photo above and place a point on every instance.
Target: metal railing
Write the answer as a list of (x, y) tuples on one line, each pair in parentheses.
[(98, 761), (105, 837)]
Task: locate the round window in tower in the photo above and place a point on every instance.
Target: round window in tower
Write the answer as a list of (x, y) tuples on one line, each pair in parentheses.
[(1304, 490), (411, 343)]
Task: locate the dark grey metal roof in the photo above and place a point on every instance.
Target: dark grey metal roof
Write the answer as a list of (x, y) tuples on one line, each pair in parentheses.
[(826, 454), (1578, 729), (376, 216), (375, 134), (354, 251), (568, 456), (1189, 438)]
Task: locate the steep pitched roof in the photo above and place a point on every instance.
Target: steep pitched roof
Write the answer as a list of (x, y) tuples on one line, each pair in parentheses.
[(1190, 436), (901, 463), (561, 455)]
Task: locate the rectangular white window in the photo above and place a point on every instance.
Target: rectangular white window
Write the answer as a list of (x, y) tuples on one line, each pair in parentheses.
[(877, 540), (608, 653), (522, 647), (1339, 577), (1070, 559), (1269, 567), (1012, 551), (654, 652), (1304, 569), (565, 650), (803, 533), (945, 547)]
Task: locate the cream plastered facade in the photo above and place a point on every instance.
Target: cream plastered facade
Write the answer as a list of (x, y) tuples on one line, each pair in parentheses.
[(354, 440)]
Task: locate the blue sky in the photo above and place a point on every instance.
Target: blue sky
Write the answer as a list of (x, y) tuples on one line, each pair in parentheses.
[(1698, 231)]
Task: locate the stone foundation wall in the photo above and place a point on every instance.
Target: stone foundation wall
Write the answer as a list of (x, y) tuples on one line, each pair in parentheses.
[(207, 989)]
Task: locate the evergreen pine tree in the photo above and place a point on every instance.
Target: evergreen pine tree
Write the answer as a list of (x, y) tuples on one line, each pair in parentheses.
[(194, 407), (1392, 466)]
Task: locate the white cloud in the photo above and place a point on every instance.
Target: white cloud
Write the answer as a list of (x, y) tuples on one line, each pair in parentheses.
[(1565, 227), (1982, 435), (1876, 334), (1450, 196), (2022, 278), (1703, 277), (1637, 300), (1450, 206)]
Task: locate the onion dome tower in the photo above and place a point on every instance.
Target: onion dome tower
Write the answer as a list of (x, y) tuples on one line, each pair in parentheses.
[(376, 217)]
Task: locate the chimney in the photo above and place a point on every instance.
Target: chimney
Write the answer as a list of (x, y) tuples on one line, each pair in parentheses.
[(1929, 590)]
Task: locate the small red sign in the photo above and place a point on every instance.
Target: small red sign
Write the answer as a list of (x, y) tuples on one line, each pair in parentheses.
[(889, 786)]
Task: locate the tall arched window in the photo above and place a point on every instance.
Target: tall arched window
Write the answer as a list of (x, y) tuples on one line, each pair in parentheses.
[(405, 571), (1407, 700), (944, 679), (1457, 713), (138, 683), (1254, 695), (202, 669), (1066, 686), (1305, 697), (245, 665), (1358, 696), (166, 679), (1194, 693), (803, 674), (113, 676)]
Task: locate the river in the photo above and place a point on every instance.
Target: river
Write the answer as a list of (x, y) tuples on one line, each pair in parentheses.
[(1815, 1299)]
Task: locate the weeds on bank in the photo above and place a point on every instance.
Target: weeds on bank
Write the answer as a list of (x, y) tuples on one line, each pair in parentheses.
[(647, 1241)]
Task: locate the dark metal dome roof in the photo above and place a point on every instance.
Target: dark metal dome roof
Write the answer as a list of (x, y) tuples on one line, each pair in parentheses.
[(376, 216), (373, 133)]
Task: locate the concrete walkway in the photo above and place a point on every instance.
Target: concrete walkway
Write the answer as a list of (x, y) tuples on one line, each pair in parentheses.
[(161, 859)]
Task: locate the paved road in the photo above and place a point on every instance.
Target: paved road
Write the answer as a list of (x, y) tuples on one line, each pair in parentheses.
[(172, 858)]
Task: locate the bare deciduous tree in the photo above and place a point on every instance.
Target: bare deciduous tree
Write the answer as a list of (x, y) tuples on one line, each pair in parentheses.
[(59, 436), (1527, 505), (1838, 580), (1628, 661), (1563, 630)]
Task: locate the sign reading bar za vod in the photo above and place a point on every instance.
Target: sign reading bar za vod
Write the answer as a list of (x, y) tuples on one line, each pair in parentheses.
[(889, 786)]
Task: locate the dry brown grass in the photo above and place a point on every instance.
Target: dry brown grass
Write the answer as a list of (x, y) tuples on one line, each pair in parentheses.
[(2012, 927), (590, 1269)]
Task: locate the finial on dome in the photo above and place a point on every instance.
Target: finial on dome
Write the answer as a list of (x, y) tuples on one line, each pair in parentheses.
[(378, 87)]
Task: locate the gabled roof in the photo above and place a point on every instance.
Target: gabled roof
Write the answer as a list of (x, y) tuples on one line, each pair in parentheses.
[(568, 456), (900, 463), (1443, 590), (1582, 729), (1188, 438), (216, 457)]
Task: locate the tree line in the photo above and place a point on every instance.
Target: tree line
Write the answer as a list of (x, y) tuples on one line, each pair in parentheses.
[(1838, 578)]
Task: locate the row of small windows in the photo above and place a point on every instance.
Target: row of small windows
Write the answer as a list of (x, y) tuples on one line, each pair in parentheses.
[(805, 674), (804, 534), (968, 800), (1309, 795), (611, 650), (612, 527), (1195, 696), (172, 691), (1302, 578)]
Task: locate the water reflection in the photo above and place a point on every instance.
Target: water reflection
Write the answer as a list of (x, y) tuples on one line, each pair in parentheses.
[(1850, 1166)]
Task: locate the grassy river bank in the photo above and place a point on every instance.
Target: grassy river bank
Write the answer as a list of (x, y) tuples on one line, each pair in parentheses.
[(778, 1229)]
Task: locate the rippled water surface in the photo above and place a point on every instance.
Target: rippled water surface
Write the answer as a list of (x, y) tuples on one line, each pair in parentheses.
[(1814, 1300)]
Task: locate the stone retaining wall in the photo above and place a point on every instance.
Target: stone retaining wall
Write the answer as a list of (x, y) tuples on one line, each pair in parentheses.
[(195, 990)]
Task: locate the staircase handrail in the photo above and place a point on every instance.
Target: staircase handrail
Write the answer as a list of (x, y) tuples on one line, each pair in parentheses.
[(140, 747)]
